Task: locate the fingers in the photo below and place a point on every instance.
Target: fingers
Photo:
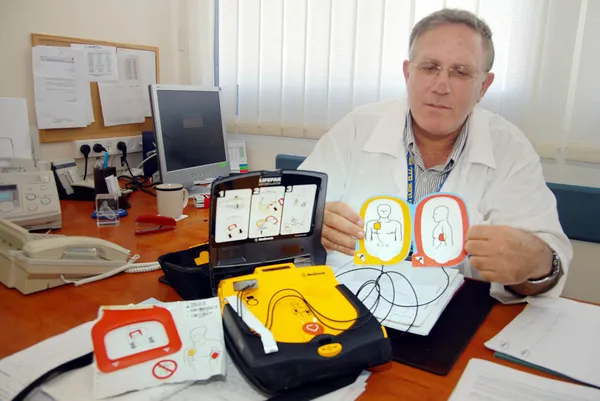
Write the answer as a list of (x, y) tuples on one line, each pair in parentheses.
[(341, 227), (343, 218), (480, 247), (335, 247), (338, 237), (484, 267), (488, 276), (480, 232), (481, 263)]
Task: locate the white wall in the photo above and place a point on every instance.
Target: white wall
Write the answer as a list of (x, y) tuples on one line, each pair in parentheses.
[(144, 22)]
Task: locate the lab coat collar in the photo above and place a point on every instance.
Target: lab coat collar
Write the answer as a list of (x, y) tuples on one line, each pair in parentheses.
[(388, 135)]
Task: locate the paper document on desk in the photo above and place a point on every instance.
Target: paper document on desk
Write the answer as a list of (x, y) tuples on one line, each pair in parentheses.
[(78, 385), (429, 284), (234, 387), (61, 88), (15, 140), (484, 380), (21, 369), (556, 334)]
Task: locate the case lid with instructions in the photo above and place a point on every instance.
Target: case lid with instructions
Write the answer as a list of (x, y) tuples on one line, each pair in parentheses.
[(256, 219), (267, 216)]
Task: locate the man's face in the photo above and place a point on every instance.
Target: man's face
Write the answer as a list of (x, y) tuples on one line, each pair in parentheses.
[(446, 78)]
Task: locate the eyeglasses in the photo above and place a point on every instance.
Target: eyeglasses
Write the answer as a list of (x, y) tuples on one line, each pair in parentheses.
[(459, 72)]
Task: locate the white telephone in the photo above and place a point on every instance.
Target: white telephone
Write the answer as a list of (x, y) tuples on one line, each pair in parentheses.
[(35, 262), (28, 195)]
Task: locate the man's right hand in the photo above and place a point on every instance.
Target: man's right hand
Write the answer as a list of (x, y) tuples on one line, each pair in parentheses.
[(341, 227)]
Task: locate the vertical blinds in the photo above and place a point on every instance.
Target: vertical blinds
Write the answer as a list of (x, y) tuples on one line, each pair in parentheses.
[(295, 67)]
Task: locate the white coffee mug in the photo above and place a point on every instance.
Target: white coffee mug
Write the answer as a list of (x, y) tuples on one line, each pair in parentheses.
[(171, 199)]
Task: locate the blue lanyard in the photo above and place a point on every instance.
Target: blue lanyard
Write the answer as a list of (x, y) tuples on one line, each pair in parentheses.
[(410, 164)]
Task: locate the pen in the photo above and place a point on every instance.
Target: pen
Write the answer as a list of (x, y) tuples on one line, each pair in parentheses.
[(105, 159)]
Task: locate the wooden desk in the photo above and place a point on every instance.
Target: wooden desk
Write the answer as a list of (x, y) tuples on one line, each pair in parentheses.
[(26, 320)]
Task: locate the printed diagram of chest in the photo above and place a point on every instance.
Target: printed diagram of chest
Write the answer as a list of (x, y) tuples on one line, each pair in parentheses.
[(438, 225), (385, 231), (264, 212)]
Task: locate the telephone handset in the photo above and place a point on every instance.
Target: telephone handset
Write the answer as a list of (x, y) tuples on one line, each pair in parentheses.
[(75, 248), (12, 236), (35, 262)]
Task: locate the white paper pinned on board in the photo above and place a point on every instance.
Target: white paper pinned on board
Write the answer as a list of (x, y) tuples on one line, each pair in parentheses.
[(61, 88), (121, 102), (138, 65), (101, 62)]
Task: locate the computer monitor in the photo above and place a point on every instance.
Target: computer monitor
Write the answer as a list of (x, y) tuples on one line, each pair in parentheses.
[(191, 141)]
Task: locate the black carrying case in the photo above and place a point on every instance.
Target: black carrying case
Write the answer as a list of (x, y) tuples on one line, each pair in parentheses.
[(231, 259), (364, 345)]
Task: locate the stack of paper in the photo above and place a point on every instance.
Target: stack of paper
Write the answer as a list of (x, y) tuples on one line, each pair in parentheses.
[(21, 369), (78, 385), (234, 387), (557, 335), (483, 380), (428, 284)]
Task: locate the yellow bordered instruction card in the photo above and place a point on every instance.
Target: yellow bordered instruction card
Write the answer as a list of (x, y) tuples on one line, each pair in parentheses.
[(436, 228)]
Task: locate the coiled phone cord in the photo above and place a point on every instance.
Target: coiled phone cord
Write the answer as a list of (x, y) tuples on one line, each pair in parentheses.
[(129, 267)]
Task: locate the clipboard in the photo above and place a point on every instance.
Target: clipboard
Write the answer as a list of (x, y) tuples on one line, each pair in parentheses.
[(437, 352)]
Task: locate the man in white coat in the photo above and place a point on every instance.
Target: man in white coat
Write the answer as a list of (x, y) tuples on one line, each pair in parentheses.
[(515, 240)]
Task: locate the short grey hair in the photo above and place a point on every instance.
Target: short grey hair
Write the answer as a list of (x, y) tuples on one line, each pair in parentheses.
[(455, 16)]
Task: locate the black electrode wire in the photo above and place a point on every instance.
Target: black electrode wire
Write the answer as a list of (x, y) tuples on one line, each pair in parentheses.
[(318, 315), (416, 305), (376, 287), (392, 303)]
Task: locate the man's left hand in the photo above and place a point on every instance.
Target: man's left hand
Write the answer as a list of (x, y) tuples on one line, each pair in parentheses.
[(507, 255)]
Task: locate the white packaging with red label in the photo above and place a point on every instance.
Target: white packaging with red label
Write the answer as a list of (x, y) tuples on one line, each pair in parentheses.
[(138, 347)]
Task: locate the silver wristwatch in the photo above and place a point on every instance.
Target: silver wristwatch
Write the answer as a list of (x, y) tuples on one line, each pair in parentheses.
[(556, 271)]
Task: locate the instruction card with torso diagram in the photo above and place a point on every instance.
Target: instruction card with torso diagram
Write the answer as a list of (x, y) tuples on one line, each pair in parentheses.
[(435, 228), (138, 347), (264, 212)]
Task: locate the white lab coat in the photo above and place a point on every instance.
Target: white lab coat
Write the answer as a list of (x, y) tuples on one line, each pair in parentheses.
[(499, 175)]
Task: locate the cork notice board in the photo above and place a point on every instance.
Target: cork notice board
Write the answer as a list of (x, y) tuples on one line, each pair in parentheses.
[(97, 128)]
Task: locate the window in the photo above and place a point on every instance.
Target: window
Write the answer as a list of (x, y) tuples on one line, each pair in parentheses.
[(295, 67)]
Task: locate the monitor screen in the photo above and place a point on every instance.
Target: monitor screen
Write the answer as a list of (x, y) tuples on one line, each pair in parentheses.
[(192, 129)]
